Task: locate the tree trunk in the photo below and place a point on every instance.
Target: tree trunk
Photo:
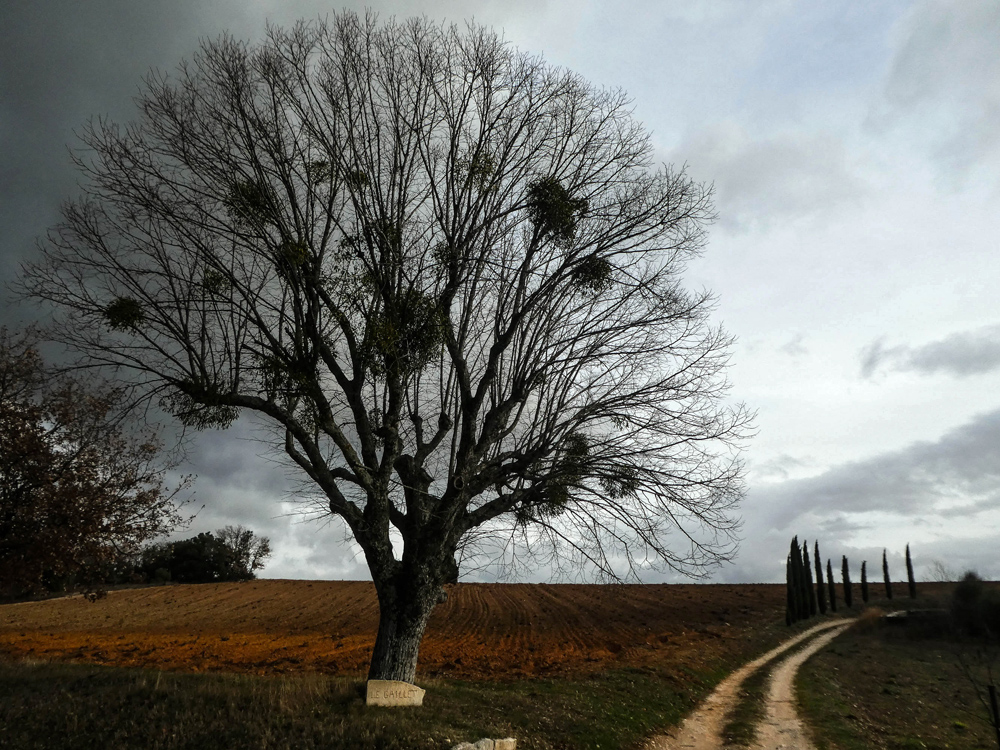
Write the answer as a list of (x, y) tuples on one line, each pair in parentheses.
[(405, 606), (397, 647)]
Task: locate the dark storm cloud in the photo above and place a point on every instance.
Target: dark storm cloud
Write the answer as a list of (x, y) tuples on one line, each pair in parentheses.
[(64, 62), (61, 63), (958, 475), (962, 354), (237, 457)]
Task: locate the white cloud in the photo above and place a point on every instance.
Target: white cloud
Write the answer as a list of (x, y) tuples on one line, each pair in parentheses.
[(763, 180), (943, 86)]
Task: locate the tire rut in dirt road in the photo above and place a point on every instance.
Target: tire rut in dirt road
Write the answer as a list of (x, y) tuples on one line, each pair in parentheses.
[(702, 730), (782, 727)]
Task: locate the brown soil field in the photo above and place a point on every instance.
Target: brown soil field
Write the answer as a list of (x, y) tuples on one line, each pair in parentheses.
[(483, 631)]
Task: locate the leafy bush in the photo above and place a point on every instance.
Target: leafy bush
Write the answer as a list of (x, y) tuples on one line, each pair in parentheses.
[(975, 608)]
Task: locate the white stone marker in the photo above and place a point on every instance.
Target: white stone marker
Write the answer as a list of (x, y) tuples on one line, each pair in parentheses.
[(393, 693)]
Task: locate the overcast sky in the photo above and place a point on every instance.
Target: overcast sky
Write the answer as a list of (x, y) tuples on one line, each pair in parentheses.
[(855, 153)]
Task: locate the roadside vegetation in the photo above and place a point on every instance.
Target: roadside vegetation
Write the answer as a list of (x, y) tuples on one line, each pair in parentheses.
[(740, 729), (917, 684)]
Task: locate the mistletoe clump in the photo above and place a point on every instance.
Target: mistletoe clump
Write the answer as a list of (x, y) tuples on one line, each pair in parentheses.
[(553, 211)]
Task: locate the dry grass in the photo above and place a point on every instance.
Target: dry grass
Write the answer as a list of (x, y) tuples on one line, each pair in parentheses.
[(870, 619)]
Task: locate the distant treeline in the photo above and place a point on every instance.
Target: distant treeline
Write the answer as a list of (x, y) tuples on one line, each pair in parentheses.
[(233, 553), (806, 597)]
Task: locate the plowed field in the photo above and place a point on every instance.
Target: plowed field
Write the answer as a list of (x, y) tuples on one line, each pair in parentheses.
[(483, 631)]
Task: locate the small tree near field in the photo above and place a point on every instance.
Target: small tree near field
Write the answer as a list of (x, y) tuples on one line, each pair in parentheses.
[(794, 580), (864, 582), (248, 551), (448, 278), (799, 579), (233, 553), (942, 573), (975, 614), (199, 559), (807, 574), (790, 615)]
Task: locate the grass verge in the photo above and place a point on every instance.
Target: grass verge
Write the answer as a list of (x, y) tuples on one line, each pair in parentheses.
[(740, 729), (48, 705), (880, 688)]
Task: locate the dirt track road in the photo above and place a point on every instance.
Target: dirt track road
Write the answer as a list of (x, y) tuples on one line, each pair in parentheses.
[(702, 730), (782, 728)]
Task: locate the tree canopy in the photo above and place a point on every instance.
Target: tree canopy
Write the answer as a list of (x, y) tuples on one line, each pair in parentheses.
[(447, 274), (78, 491), (233, 553)]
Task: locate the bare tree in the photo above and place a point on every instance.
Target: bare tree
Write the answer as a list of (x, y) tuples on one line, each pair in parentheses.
[(942, 573), (448, 274), (79, 490), (249, 551)]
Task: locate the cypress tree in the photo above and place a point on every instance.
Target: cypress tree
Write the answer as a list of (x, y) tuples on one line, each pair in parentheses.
[(885, 575), (793, 581), (820, 590), (864, 582), (789, 599), (830, 587), (846, 573), (807, 569), (801, 602), (909, 574), (803, 585)]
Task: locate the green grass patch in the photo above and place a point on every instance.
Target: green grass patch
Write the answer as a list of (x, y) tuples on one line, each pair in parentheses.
[(740, 728), (884, 689), (50, 705)]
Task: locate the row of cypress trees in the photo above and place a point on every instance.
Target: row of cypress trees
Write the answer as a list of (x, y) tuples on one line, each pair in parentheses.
[(804, 597)]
